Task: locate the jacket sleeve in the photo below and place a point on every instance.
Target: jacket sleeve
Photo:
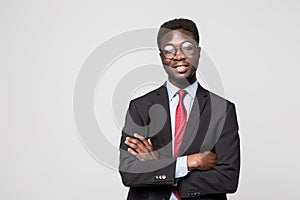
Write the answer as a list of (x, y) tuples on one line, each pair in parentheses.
[(224, 177), (135, 173)]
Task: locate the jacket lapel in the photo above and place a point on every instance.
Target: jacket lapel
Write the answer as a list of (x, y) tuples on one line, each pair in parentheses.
[(191, 129), (164, 137)]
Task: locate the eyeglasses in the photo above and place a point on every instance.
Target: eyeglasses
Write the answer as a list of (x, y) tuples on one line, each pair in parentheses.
[(187, 48)]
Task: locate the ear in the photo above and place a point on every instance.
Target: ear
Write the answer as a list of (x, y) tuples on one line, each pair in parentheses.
[(199, 51)]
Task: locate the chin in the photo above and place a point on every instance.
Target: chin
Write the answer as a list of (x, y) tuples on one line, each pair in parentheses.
[(184, 76), (181, 80)]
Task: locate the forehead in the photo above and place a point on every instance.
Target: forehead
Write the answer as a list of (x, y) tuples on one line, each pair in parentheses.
[(177, 37)]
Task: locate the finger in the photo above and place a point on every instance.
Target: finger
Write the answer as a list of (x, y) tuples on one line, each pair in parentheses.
[(132, 140), (150, 147), (130, 144), (138, 136), (209, 155), (137, 155), (139, 146), (204, 154), (153, 152), (213, 162), (132, 152), (213, 156), (144, 141)]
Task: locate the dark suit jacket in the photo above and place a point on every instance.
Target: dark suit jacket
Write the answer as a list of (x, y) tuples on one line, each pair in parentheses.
[(212, 126)]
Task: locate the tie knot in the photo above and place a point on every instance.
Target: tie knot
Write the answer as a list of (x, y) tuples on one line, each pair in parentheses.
[(181, 94)]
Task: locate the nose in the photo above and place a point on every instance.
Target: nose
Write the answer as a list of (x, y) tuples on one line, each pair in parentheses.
[(179, 55)]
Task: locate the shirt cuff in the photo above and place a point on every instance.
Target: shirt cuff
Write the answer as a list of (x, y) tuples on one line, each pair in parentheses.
[(181, 169)]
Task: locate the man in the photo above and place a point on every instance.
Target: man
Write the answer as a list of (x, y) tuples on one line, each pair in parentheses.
[(180, 141)]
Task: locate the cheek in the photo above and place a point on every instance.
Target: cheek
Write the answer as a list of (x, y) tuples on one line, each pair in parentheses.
[(194, 61), (165, 61)]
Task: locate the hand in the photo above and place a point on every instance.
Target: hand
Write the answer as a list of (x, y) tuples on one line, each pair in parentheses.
[(202, 161), (141, 148)]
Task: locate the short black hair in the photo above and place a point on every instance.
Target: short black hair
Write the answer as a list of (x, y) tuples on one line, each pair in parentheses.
[(181, 23)]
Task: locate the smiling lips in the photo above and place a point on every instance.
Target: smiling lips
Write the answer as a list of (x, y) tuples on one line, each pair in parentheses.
[(181, 68)]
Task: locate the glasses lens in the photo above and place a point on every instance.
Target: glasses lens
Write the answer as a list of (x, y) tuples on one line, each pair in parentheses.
[(187, 48), (169, 51)]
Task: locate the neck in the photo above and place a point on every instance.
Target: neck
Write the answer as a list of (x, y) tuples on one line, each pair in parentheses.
[(182, 83)]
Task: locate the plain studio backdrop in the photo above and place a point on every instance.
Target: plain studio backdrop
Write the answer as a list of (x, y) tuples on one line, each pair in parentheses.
[(253, 44)]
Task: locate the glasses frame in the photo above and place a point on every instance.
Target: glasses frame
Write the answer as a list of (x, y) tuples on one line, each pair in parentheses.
[(176, 50)]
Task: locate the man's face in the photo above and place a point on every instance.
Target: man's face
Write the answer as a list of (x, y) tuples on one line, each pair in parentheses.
[(181, 68)]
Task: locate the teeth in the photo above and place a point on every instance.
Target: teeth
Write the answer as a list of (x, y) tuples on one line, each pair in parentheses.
[(181, 69)]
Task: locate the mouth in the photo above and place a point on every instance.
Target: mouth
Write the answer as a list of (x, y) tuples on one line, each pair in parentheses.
[(181, 68)]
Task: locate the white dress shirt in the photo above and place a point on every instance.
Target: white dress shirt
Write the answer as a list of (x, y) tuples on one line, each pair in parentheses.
[(181, 162)]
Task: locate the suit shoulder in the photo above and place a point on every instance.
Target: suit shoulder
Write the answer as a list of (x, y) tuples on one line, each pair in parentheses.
[(148, 96), (217, 98)]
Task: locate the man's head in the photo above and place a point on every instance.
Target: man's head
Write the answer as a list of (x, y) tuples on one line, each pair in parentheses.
[(178, 41), (175, 24)]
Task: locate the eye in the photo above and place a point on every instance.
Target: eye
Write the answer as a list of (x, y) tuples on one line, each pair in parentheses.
[(169, 49), (187, 46)]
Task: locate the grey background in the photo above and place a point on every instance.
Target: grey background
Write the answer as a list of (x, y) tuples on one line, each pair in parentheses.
[(254, 45)]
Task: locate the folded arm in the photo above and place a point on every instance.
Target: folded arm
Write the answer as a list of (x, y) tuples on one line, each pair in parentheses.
[(224, 177)]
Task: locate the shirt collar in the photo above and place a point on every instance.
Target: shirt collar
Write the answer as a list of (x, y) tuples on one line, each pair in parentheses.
[(172, 89)]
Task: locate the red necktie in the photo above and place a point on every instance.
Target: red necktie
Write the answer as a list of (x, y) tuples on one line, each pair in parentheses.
[(180, 124)]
